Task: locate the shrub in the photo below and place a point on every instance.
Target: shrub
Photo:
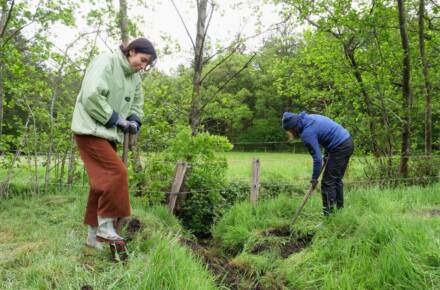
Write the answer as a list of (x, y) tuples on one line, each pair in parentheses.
[(204, 182)]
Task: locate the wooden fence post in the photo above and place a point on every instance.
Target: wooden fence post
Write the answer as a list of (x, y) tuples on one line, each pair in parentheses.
[(177, 184), (255, 180)]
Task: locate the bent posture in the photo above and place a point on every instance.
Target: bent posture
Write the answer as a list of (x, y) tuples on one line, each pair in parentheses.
[(315, 131)]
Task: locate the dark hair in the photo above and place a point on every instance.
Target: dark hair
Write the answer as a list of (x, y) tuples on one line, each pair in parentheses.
[(142, 45)]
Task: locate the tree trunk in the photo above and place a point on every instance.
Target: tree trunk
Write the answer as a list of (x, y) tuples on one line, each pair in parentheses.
[(58, 80), (4, 185), (2, 97), (349, 53), (406, 91), (3, 17), (123, 19), (71, 166), (63, 164), (196, 103), (428, 85)]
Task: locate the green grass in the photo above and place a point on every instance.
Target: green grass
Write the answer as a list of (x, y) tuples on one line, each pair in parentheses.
[(383, 239), (42, 247), (286, 167)]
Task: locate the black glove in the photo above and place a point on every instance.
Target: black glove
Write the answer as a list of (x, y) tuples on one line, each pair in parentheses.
[(131, 127), (314, 183), (123, 124)]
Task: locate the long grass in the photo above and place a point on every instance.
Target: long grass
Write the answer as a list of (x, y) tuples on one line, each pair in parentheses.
[(383, 239), (42, 247)]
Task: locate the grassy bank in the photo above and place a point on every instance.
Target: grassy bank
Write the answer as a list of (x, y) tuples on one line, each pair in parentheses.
[(42, 247), (383, 239)]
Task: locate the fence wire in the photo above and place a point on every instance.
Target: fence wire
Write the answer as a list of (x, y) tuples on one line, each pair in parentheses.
[(149, 161)]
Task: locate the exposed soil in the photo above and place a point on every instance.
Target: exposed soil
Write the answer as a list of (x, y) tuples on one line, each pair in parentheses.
[(86, 287), (228, 274), (295, 245), (133, 226), (430, 213), (261, 247), (434, 212), (278, 232)]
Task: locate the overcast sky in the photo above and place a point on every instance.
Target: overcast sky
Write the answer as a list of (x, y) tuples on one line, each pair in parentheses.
[(160, 19)]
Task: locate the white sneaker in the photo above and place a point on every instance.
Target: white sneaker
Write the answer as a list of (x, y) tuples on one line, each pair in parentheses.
[(106, 230), (91, 238)]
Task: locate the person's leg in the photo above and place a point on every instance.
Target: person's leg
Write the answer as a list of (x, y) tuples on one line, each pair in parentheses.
[(342, 154), (108, 180), (328, 187), (91, 215), (339, 194)]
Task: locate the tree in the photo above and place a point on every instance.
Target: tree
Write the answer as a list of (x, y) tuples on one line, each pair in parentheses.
[(406, 90), (199, 100), (427, 81)]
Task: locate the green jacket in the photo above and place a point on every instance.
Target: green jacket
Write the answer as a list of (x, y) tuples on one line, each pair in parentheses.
[(110, 88)]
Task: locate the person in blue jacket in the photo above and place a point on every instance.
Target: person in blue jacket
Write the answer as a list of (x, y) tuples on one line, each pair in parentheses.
[(315, 131)]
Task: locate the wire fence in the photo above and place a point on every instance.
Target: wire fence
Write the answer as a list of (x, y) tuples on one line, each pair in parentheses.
[(294, 186), (31, 169)]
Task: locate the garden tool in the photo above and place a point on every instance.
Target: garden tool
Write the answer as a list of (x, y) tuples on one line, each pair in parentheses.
[(309, 193)]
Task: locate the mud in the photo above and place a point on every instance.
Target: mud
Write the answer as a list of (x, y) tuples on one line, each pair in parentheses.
[(434, 212), (278, 232), (228, 274), (295, 245), (132, 227), (232, 276)]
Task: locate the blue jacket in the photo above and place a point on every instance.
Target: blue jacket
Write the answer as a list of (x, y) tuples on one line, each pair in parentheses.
[(316, 130)]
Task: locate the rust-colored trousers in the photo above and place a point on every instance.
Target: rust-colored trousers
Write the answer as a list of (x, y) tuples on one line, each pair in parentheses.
[(108, 179)]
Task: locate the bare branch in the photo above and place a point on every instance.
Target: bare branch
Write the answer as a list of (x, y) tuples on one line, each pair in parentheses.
[(221, 62), (7, 19), (207, 26), (21, 28), (184, 24), (241, 40), (227, 81)]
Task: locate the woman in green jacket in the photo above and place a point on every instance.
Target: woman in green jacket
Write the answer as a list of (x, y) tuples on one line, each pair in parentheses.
[(109, 104)]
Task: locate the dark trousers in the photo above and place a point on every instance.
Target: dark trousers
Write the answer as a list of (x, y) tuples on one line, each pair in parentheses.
[(332, 188)]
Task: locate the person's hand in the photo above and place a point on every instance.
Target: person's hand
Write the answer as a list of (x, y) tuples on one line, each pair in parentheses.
[(123, 124), (133, 127), (314, 183)]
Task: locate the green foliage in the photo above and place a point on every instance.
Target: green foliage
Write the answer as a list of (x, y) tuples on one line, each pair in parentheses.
[(205, 179)]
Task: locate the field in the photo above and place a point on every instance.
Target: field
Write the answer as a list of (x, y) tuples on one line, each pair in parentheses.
[(382, 239), (287, 167), (291, 168)]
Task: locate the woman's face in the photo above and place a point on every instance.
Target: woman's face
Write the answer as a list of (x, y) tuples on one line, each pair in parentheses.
[(138, 60), (294, 133)]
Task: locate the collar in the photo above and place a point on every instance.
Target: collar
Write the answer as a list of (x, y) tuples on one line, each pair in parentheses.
[(128, 69)]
